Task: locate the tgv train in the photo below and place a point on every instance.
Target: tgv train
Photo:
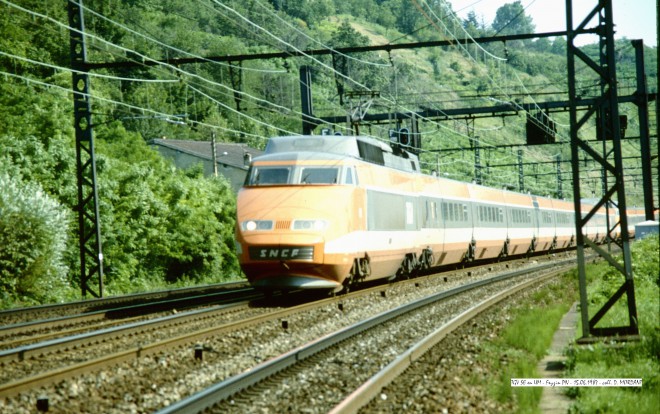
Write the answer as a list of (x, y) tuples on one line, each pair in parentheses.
[(324, 212)]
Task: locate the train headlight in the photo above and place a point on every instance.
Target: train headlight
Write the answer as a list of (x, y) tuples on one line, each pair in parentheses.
[(252, 225), (316, 225)]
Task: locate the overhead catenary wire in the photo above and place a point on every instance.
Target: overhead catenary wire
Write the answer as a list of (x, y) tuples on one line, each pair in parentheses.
[(175, 49), (493, 81), (173, 68), (318, 42), (97, 75), (235, 111), (298, 50), (215, 83), (160, 64), (285, 113), (155, 113), (230, 90), (276, 38)]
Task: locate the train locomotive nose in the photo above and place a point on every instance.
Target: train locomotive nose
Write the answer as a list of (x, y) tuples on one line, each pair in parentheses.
[(287, 255)]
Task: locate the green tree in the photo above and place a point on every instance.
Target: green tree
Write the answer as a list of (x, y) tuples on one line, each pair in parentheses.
[(309, 11), (471, 24), (356, 66), (542, 45), (407, 21), (559, 46), (511, 19)]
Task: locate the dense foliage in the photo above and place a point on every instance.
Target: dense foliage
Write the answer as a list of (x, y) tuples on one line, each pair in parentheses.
[(161, 225)]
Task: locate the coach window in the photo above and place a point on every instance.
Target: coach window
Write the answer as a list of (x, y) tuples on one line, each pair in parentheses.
[(433, 212), (269, 175)]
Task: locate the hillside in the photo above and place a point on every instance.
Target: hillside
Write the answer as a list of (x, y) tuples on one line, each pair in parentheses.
[(161, 225)]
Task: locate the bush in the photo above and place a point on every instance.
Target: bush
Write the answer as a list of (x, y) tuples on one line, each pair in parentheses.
[(33, 240)]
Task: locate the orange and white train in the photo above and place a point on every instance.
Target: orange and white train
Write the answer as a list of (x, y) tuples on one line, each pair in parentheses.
[(323, 212)]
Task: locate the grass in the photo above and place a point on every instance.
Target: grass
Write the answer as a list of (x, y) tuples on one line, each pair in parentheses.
[(622, 360), (518, 347)]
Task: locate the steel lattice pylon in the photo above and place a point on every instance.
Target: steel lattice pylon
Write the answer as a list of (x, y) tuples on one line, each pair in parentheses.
[(89, 229), (607, 107)]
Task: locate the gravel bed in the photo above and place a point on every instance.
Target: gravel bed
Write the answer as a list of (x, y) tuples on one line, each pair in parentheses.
[(149, 383), (19, 369), (322, 382), (32, 336), (436, 383)]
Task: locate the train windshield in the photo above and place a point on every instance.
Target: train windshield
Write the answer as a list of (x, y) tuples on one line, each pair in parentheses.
[(299, 175), (319, 175), (269, 175)]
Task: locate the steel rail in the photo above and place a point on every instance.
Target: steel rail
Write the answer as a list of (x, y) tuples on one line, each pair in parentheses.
[(140, 309), (225, 389), (113, 300), (28, 383), (15, 343), (370, 389), (26, 351), (49, 377)]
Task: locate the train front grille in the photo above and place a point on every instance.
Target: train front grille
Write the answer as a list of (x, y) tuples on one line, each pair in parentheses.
[(283, 224)]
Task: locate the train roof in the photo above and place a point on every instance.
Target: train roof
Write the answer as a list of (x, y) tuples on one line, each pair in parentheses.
[(362, 148)]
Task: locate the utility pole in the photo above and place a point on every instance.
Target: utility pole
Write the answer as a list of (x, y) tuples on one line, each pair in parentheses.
[(642, 103), (306, 99), (214, 155), (560, 191), (521, 172), (477, 162)]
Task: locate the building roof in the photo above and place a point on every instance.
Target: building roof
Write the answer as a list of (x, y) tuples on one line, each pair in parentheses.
[(226, 153)]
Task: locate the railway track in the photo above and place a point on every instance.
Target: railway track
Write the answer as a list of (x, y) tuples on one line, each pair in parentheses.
[(58, 353), (70, 355), (41, 330), (169, 368), (51, 311), (348, 357)]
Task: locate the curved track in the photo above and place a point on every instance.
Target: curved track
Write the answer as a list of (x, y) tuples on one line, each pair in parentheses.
[(152, 368), (264, 383)]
